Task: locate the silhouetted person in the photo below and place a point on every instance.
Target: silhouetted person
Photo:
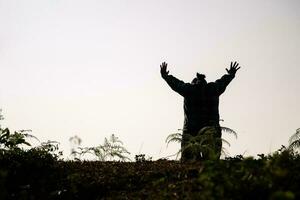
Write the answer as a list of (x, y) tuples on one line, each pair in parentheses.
[(201, 103)]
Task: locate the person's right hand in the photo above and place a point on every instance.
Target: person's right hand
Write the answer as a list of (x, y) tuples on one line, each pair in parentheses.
[(163, 70)]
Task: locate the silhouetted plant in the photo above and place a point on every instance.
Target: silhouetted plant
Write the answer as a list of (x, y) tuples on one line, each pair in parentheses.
[(75, 146), (10, 140), (142, 158), (52, 147), (13, 140), (18, 139), (294, 141), (174, 137), (228, 130), (112, 149), (204, 142)]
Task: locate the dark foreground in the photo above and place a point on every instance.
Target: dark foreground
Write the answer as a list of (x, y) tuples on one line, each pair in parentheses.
[(37, 175)]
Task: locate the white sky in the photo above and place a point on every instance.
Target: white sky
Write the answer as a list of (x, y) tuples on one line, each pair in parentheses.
[(91, 68)]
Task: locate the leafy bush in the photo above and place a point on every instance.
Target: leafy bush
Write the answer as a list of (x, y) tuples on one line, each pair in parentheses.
[(14, 140)]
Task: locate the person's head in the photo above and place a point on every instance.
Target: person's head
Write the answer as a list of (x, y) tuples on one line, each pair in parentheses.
[(199, 80)]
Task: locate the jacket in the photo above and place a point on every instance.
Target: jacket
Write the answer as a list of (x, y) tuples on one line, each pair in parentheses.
[(201, 101)]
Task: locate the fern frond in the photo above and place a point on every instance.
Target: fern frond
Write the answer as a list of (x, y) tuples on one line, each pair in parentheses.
[(206, 130), (229, 130), (295, 137), (224, 152), (294, 145), (179, 140), (4, 134), (31, 136), (225, 141), (174, 137), (115, 139)]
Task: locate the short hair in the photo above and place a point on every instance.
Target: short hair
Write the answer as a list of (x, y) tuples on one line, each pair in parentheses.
[(200, 76), (194, 81)]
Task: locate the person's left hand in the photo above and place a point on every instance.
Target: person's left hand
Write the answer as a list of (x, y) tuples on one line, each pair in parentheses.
[(234, 67)]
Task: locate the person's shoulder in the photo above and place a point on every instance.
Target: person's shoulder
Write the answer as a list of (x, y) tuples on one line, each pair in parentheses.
[(211, 87), (189, 84), (211, 84)]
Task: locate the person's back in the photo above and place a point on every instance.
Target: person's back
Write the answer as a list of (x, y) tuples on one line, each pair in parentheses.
[(201, 100), (201, 107)]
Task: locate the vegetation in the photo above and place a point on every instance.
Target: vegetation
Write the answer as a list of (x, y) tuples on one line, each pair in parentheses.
[(204, 142), (111, 150), (36, 174), (294, 141), (28, 172), (12, 141), (1, 116)]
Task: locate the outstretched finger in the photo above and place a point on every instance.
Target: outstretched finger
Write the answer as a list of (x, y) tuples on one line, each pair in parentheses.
[(165, 64), (235, 64)]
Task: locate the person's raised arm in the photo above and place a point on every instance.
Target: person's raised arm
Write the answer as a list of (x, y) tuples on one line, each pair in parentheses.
[(176, 84), (227, 78)]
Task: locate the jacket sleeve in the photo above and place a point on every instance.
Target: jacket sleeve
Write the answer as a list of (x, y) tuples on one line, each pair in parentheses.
[(222, 83), (177, 85)]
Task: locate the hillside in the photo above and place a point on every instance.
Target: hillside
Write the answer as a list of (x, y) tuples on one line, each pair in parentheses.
[(36, 174)]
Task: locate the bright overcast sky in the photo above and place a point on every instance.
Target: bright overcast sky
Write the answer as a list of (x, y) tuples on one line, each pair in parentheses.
[(91, 68)]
